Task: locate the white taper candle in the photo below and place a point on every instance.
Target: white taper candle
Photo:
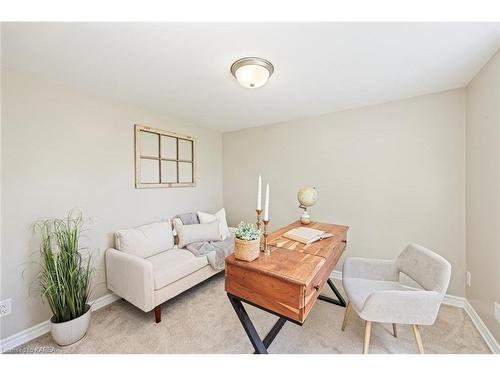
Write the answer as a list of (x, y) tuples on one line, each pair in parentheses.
[(266, 204), (259, 194)]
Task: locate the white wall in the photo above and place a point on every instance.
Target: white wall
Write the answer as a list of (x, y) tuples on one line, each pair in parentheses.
[(483, 192), (63, 148), (395, 173)]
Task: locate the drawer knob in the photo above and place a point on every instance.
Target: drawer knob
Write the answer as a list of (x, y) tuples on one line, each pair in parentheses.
[(316, 287)]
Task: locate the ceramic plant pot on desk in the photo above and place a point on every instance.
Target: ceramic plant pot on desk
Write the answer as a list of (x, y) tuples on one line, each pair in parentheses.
[(246, 250), (67, 333)]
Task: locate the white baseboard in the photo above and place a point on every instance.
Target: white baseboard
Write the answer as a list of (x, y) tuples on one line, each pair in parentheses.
[(44, 327), (24, 336), (454, 301), (104, 301), (481, 327), (462, 303), (337, 275)]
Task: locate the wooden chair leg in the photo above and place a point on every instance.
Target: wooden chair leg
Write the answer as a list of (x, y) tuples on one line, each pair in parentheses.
[(418, 339), (366, 344), (158, 314), (394, 330), (346, 315)]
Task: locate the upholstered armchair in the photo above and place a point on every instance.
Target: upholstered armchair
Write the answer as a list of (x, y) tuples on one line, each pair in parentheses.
[(376, 295)]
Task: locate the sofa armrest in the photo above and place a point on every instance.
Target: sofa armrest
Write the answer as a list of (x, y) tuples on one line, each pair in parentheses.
[(373, 269), (130, 277), (401, 306)]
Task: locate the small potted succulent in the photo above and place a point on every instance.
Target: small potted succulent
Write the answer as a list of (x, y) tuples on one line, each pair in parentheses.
[(247, 242)]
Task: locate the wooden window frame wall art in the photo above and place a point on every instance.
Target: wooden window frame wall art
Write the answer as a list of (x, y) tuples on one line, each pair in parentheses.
[(155, 154)]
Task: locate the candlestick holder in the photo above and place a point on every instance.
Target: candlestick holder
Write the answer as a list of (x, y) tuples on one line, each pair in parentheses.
[(267, 251), (259, 221), (259, 225)]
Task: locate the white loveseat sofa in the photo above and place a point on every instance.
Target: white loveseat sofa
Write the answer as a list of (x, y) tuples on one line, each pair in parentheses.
[(147, 269)]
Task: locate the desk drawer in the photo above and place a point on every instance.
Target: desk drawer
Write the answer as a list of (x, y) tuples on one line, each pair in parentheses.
[(312, 291), (280, 296)]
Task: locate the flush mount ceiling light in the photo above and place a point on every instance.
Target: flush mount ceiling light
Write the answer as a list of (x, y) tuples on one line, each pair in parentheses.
[(252, 72)]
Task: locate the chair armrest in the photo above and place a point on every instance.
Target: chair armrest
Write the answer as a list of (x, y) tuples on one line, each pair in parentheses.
[(131, 277), (402, 306), (373, 269)]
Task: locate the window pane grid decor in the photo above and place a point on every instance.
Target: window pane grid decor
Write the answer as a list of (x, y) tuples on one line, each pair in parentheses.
[(163, 159)]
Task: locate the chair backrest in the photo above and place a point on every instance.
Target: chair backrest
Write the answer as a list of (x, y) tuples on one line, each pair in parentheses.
[(430, 270)]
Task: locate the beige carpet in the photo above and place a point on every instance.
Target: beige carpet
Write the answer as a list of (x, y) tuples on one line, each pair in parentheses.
[(202, 320)]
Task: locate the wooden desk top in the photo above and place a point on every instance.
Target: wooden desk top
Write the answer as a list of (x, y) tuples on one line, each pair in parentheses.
[(320, 248), (291, 260)]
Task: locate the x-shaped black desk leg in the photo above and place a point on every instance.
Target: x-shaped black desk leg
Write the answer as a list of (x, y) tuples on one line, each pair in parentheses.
[(339, 301), (259, 345)]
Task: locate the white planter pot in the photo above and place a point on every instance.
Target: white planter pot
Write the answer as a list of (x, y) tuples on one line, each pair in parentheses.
[(69, 332)]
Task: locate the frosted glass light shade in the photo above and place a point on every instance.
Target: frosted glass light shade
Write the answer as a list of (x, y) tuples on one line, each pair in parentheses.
[(252, 76), (252, 72)]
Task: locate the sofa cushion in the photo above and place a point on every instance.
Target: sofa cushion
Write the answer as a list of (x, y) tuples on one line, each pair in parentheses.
[(146, 240), (173, 265), (197, 232), (220, 215), (176, 221)]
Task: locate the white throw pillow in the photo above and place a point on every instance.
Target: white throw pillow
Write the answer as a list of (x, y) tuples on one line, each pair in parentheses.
[(146, 240), (219, 215), (197, 232), (176, 220)]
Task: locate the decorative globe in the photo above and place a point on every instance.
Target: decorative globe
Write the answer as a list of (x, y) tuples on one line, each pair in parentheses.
[(307, 196)]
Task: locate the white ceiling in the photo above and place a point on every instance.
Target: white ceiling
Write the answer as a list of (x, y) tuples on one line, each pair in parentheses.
[(182, 69)]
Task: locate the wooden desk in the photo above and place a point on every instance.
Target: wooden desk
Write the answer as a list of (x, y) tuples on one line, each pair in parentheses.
[(287, 282)]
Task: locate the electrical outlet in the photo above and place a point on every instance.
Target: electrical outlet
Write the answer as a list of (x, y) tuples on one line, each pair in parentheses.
[(497, 312), (468, 277), (5, 307)]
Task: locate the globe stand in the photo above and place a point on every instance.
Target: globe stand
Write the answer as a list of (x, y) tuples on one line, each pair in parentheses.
[(305, 218), (307, 197)]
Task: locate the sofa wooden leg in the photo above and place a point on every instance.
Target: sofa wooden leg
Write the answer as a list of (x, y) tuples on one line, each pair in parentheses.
[(158, 314), (346, 315), (366, 343), (394, 330)]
